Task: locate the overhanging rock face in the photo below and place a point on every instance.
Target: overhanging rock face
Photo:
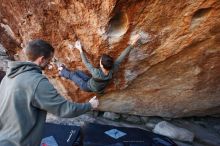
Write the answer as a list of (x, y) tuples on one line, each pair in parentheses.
[(176, 73)]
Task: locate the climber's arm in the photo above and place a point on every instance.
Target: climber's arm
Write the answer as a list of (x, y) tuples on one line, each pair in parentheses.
[(126, 51), (88, 65), (122, 57)]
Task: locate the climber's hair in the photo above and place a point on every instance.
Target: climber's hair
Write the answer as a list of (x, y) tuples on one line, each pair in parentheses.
[(38, 48), (107, 61)]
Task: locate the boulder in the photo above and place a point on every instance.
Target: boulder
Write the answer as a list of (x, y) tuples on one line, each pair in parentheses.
[(204, 134), (111, 116), (174, 73), (144, 119), (174, 132), (133, 119)]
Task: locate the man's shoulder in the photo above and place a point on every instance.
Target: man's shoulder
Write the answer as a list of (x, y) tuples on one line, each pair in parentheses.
[(30, 77), (34, 74)]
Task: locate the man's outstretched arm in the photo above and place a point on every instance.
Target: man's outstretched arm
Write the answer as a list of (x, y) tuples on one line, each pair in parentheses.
[(47, 98)]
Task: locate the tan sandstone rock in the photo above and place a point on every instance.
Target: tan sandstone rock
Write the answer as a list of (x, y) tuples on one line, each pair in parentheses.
[(175, 74)]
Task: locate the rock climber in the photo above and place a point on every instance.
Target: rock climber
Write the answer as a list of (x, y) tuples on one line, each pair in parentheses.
[(100, 77)]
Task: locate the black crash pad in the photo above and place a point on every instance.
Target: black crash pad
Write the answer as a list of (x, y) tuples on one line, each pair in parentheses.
[(95, 135), (64, 135)]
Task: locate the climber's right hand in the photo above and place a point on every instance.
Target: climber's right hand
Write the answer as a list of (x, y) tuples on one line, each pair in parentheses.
[(78, 45), (94, 102)]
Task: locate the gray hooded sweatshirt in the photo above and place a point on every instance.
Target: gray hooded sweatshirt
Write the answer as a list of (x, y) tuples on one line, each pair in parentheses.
[(25, 97)]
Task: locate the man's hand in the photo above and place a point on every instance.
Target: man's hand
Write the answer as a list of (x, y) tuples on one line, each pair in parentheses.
[(134, 40), (78, 46), (94, 102)]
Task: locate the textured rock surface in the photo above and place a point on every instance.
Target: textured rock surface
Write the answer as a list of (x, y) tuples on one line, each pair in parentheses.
[(111, 116), (174, 132), (176, 74), (204, 133)]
